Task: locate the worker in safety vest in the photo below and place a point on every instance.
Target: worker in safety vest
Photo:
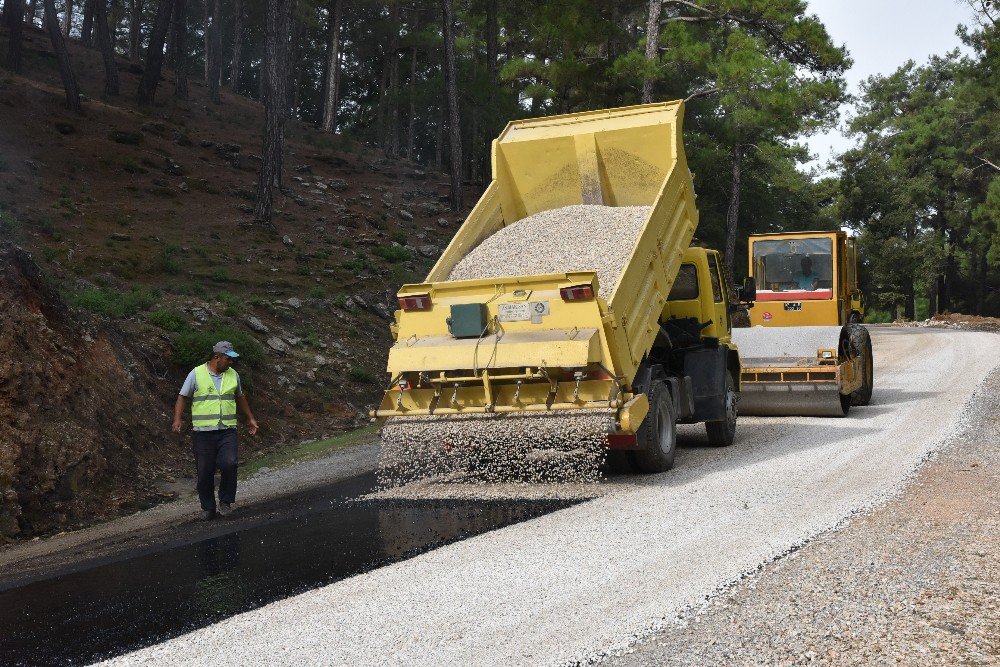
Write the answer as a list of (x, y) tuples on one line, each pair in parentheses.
[(215, 394)]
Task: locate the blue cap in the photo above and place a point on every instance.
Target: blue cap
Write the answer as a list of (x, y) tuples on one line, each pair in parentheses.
[(226, 348)]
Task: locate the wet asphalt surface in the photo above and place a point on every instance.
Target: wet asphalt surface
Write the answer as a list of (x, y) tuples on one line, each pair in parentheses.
[(110, 608)]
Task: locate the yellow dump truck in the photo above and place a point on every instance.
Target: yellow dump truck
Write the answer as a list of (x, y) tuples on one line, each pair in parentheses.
[(805, 352), (653, 352)]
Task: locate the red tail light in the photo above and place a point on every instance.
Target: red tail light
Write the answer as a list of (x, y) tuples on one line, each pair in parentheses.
[(419, 302), (577, 293)]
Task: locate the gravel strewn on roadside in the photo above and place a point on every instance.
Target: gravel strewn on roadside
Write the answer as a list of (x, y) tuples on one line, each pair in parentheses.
[(915, 582)]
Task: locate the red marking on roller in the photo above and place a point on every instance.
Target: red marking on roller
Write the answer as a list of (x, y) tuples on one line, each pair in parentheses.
[(622, 441)]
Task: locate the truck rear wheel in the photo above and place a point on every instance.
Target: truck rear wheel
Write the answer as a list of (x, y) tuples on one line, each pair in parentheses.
[(861, 345), (658, 433), (722, 433)]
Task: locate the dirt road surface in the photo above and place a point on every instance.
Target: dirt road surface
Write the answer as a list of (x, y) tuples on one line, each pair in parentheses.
[(592, 580)]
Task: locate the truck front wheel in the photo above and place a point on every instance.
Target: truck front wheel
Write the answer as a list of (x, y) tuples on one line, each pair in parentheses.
[(722, 433), (658, 433)]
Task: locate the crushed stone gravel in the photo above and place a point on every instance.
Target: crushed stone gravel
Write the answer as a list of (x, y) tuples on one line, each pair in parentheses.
[(573, 238), (912, 583), (577, 585), (495, 448)]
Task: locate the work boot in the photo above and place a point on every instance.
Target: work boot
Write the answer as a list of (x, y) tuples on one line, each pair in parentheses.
[(225, 508), (207, 515)]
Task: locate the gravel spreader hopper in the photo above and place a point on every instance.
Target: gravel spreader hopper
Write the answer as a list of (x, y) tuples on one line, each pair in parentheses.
[(568, 316), (806, 352)]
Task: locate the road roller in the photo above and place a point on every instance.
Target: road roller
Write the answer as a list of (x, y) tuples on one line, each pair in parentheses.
[(806, 351)]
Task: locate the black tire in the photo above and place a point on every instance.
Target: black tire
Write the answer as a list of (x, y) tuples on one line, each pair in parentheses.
[(861, 345), (722, 433), (657, 435)]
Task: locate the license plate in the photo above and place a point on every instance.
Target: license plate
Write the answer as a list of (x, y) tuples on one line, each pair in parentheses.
[(793, 305)]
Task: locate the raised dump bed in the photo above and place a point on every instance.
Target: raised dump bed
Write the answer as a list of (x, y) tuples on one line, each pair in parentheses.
[(555, 341)]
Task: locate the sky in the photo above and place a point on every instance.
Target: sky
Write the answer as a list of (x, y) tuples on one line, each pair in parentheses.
[(881, 35)]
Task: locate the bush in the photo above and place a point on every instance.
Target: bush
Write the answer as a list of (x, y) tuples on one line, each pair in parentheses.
[(233, 306), (50, 253), (109, 303), (317, 292), (220, 275), (193, 348), (10, 226), (359, 264), (399, 237), (169, 319), (131, 166), (168, 260), (393, 254), (361, 375)]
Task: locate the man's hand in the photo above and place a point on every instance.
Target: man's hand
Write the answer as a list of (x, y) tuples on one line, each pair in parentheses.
[(176, 428), (253, 426)]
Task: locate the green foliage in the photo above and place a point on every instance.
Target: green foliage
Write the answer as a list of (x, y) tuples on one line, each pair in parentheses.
[(399, 236), (220, 275), (129, 165), (393, 254), (192, 348), (359, 264), (168, 259), (107, 302), (50, 253), (232, 305), (169, 319), (10, 226), (317, 292), (361, 375)]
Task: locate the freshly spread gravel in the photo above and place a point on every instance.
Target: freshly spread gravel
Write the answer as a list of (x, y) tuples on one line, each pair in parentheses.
[(495, 448), (913, 583), (592, 579), (572, 238)]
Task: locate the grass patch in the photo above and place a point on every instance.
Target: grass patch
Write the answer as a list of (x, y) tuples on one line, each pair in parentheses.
[(50, 253), (220, 275), (359, 264), (393, 254), (399, 237), (170, 319), (168, 259), (308, 451), (109, 303), (10, 226), (361, 375), (130, 166), (232, 306), (317, 292)]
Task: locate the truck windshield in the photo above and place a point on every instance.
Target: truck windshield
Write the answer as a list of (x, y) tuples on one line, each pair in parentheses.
[(799, 268)]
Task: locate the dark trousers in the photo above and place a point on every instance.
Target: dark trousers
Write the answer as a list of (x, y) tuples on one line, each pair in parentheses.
[(215, 450)]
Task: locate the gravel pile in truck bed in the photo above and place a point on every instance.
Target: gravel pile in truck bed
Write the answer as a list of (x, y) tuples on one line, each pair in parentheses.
[(572, 238), (495, 448)]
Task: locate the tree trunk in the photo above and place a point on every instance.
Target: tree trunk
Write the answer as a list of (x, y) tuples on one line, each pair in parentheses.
[(411, 119), (492, 43), (87, 29), (451, 83), (389, 138), (652, 48), (294, 68), (733, 215), (67, 20), (180, 50), (134, 30), (13, 13), (275, 105), (439, 140), (107, 47), (234, 72), (215, 52), (32, 12), (329, 122), (62, 57), (154, 55)]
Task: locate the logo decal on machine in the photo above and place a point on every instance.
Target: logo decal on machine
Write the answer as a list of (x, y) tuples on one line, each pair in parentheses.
[(767, 317)]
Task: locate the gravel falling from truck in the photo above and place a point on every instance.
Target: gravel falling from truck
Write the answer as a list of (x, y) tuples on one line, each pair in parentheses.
[(571, 238), (495, 448)]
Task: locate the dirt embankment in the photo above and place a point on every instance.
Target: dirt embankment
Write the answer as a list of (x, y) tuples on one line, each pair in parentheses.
[(81, 417)]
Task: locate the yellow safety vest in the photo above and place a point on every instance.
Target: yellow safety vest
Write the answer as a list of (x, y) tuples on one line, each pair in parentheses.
[(211, 406)]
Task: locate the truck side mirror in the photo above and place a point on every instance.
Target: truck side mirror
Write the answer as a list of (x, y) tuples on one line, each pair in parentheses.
[(747, 292)]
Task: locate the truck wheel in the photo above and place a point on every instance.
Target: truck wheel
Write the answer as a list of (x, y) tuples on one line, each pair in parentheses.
[(861, 345), (854, 317), (658, 433), (722, 433)]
